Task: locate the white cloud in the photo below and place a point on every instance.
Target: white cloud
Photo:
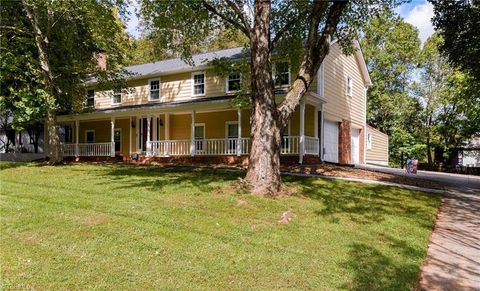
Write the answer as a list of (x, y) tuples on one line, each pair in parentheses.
[(420, 17)]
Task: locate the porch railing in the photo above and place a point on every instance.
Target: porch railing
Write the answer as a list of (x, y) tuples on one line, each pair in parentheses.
[(202, 147), (290, 145), (312, 146), (167, 148), (98, 149)]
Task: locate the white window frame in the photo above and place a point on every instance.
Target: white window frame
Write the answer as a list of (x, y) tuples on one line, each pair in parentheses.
[(113, 95), (150, 89), (369, 141), (204, 129), (120, 130), (87, 131), (321, 80), (227, 123), (204, 83), (349, 86), (227, 88), (275, 76)]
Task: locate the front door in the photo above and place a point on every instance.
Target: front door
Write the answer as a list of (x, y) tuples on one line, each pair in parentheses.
[(117, 139)]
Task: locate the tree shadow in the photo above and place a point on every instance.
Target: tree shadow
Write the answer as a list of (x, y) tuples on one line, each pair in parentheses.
[(156, 178), (367, 203), (11, 165), (374, 270)]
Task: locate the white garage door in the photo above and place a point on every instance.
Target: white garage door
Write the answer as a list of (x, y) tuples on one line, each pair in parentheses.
[(355, 145), (331, 141)]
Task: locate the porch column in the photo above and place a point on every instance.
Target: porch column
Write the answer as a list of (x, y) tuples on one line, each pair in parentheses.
[(137, 134), (239, 135), (149, 138), (302, 130), (315, 128), (192, 135), (112, 137), (130, 136), (322, 132), (77, 137), (167, 133)]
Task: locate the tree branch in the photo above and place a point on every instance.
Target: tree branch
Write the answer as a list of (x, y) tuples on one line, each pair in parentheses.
[(227, 19), (240, 15), (281, 32), (315, 51)]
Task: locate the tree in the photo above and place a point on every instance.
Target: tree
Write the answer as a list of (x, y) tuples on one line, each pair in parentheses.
[(66, 36), (308, 26), (391, 48), (458, 22)]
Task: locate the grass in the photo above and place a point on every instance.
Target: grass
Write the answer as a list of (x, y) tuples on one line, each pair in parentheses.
[(131, 227)]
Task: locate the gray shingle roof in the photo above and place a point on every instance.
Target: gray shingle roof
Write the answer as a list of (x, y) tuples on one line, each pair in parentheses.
[(172, 65)]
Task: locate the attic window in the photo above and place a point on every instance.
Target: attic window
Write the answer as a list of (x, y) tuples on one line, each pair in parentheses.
[(198, 80), (233, 83), (117, 96), (154, 89)]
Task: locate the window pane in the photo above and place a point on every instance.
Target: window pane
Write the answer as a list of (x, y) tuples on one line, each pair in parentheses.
[(154, 95), (199, 89), (199, 131), (233, 82), (154, 85), (232, 130)]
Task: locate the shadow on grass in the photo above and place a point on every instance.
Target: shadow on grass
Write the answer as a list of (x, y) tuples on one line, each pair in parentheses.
[(12, 165), (367, 203), (157, 178)]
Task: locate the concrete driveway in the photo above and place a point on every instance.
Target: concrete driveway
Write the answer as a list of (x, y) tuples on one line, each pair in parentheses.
[(453, 257), (463, 183)]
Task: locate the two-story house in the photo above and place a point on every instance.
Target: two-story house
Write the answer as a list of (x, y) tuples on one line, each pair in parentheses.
[(171, 109)]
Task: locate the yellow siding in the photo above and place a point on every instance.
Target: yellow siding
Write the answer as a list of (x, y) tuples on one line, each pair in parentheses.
[(103, 131), (379, 150), (309, 121), (337, 67)]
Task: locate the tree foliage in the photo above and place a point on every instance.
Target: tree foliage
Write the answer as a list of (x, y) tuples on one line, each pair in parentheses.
[(458, 22)]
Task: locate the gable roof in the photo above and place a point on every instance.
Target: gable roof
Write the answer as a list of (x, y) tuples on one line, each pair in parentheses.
[(177, 64)]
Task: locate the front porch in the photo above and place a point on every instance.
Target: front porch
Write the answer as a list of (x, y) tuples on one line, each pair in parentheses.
[(178, 133)]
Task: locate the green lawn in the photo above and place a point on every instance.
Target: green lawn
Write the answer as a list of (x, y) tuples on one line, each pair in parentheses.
[(133, 227)]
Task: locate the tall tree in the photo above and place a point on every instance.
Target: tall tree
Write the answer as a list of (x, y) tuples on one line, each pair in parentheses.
[(66, 35), (269, 25), (391, 48), (458, 22)]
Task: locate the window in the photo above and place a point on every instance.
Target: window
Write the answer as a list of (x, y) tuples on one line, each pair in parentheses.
[(349, 86), (117, 96), (66, 134), (282, 75), (198, 80), (199, 136), (90, 98), (154, 90), (233, 83), (90, 136), (117, 136), (369, 141), (232, 135), (320, 80)]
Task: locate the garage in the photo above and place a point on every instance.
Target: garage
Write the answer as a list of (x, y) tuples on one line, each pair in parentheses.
[(355, 145), (331, 141)]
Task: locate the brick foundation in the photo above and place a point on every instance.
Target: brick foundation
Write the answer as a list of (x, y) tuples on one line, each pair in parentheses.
[(344, 142), (197, 160)]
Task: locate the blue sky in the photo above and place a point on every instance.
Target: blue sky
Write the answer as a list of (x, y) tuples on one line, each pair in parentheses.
[(417, 12)]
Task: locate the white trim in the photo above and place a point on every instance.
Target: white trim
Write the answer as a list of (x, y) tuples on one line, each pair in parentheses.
[(150, 90), (112, 97), (321, 80), (227, 123), (204, 83), (227, 89), (369, 141), (89, 130), (349, 86)]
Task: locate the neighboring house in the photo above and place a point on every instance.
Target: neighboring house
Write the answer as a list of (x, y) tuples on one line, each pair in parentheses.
[(20, 142), (171, 108), (377, 147), (467, 156)]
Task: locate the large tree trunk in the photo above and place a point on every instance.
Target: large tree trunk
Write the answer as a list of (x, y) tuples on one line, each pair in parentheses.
[(264, 165), (54, 148)]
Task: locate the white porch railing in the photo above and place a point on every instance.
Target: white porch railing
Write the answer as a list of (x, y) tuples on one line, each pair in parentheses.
[(203, 147), (290, 145), (167, 148), (312, 146), (98, 149)]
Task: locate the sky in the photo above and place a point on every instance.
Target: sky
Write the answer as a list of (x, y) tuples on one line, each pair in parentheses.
[(417, 12)]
